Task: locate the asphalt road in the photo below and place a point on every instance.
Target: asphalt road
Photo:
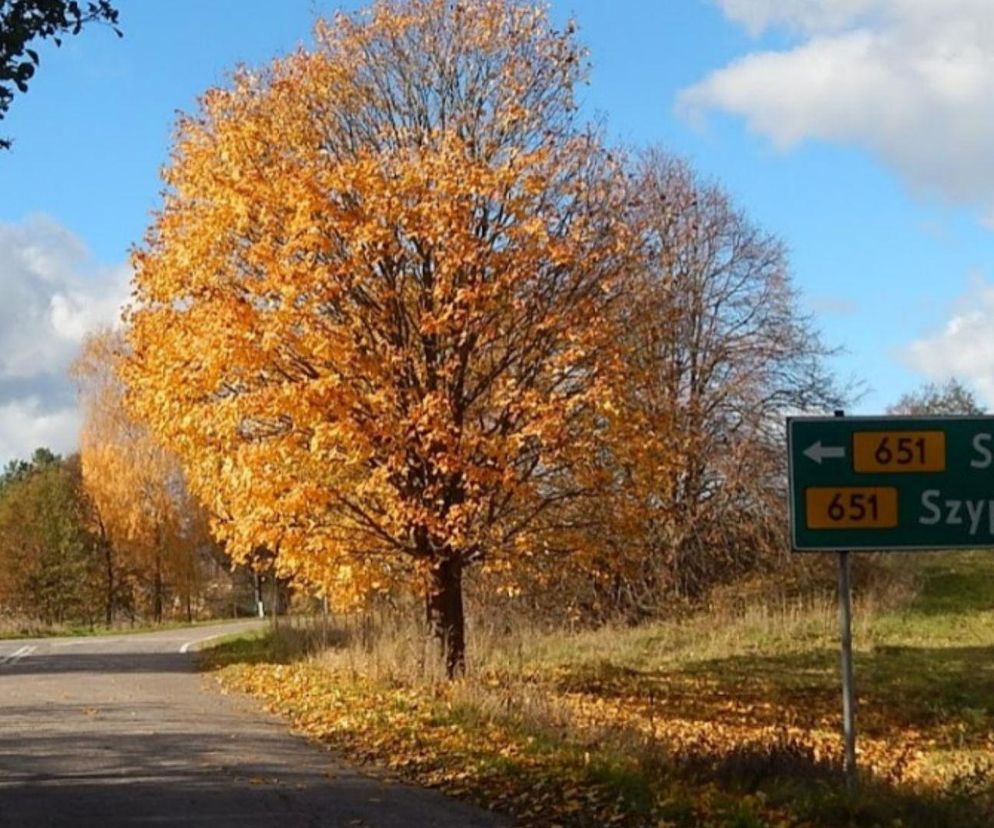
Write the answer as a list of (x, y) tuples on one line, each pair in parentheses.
[(121, 730)]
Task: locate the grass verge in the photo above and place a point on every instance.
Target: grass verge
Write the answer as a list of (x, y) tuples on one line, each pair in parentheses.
[(18, 628)]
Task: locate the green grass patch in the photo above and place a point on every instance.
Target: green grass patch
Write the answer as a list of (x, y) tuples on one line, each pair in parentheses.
[(251, 647)]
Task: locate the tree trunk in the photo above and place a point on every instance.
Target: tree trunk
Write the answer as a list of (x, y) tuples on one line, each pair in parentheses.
[(109, 564), (157, 589), (446, 619), (260, 607), (274, 599)]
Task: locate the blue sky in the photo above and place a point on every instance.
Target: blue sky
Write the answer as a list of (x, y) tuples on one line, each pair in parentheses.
[(859, 137)]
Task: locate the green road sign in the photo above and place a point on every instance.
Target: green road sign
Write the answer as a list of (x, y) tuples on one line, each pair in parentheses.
[(891, 482)]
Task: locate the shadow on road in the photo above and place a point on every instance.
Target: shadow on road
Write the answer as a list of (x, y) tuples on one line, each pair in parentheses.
[(211, 801), (139, 764), (103, 663)]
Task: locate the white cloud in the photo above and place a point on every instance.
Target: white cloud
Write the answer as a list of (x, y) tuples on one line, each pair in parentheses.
[(909, 80), (51, 294), (28, 424), (964, 348)]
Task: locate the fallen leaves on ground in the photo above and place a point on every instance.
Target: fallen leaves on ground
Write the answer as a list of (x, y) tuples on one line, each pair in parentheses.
[(651, 750)]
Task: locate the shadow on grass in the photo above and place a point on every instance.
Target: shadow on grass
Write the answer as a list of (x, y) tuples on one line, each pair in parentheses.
[(929, 689), (788, 775), (897, 687), (908, 698)]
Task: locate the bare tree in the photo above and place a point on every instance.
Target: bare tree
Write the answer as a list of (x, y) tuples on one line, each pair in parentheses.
[(719, 352), (938, 400)]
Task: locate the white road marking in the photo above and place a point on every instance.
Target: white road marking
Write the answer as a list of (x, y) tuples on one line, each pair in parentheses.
[(17, 655), (186, 647), (82, 642)]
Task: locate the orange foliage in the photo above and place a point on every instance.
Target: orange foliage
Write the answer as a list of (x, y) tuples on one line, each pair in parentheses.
[(136, 486)]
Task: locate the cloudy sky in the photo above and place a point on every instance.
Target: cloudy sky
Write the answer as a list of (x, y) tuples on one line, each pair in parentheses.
[(52, 294), (860, 131)]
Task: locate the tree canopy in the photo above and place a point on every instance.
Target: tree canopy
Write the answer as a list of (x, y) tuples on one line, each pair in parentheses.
[(932, 399)]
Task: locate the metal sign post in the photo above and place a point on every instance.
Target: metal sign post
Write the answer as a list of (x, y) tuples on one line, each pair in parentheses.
[(848, 690)]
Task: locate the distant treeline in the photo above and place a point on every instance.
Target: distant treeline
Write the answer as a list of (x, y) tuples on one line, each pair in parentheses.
[(58, 566)]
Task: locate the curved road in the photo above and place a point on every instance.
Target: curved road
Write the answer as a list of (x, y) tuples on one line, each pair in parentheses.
[(121, 730)]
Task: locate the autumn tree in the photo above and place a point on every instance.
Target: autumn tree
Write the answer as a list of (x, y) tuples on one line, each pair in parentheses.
[(24, 21), (368, 317), (143, 514)]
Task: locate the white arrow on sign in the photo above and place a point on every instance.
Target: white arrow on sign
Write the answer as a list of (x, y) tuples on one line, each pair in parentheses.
[(818, 452)]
